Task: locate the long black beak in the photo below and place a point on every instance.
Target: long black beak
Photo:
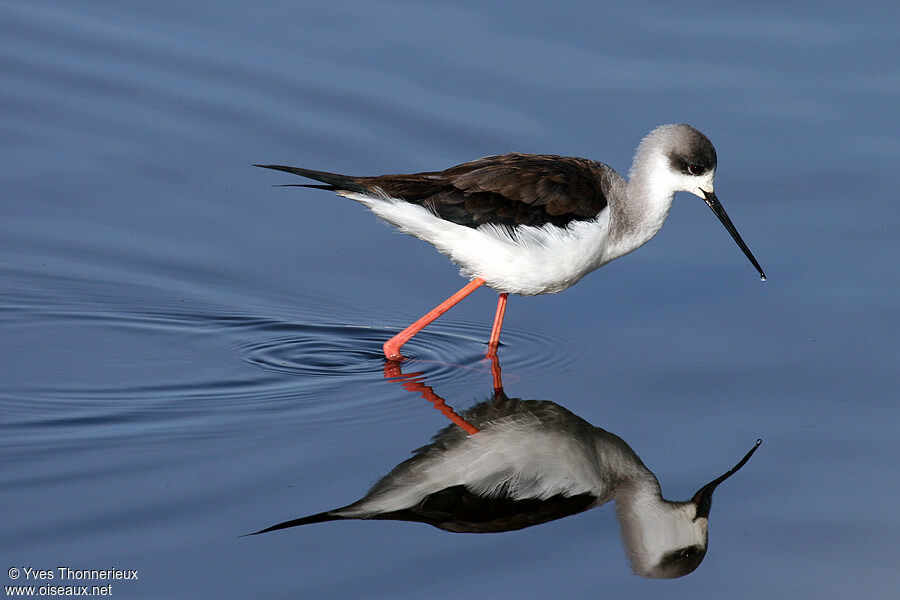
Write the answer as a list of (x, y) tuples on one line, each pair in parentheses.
[(703, 497), (714, 205)]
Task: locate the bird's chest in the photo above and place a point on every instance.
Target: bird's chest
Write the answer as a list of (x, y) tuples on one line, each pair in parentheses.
[(544, 261)]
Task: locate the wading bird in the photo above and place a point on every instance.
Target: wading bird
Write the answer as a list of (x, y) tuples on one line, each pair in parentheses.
[(535, 224)]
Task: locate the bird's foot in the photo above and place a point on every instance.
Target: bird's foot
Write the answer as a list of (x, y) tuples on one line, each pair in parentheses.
[(392, 351)]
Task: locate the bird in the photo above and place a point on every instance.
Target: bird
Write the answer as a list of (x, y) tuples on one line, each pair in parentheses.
[(533, 224), (530, 462)]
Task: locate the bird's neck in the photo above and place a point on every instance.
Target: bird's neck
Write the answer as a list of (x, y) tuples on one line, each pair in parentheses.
[(626, 476), (640, 213), (638, 498), (635, 489)]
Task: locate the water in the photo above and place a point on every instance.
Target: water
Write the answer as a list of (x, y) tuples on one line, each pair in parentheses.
[(190, 354)]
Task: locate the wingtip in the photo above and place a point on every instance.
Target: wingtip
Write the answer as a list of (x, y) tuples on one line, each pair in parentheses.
[(332, 181), (266, 530), (316, 518)]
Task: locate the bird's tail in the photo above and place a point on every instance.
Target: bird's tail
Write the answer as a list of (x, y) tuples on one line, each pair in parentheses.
[(333, 181), (317, 518)]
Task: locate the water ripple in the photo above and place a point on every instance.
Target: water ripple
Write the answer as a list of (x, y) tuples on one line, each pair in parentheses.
[(315, 350), (339, 350), (164, 369)]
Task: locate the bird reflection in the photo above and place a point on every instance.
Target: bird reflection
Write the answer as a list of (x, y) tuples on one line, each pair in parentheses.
[(507, 463)]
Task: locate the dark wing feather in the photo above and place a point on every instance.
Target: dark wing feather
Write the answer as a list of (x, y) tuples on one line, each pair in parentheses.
[(508, 189), (334, 181), (459, 510)]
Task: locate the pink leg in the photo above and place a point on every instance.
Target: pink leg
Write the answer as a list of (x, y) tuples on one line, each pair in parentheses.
[(498, 324), (495, 373), (417, 384), (392, 346)]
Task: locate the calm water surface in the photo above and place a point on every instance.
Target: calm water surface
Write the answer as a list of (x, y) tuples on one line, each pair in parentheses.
[(190, 354)]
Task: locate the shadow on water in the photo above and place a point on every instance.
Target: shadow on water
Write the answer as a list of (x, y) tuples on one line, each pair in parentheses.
[(507, 464)]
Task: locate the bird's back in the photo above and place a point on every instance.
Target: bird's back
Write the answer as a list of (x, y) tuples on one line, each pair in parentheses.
[(509, 189)]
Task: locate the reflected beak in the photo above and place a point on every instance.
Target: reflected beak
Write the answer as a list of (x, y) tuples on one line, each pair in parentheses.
[(714, 205), (703, 498)]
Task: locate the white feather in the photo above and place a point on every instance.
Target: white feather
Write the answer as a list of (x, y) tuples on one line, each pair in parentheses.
[(518, 457), (533, 260)]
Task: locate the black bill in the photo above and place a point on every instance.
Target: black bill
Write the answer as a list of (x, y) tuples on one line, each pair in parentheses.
[(716, 207), (703, 497)]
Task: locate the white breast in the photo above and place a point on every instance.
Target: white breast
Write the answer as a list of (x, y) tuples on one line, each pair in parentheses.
[(534, 260)]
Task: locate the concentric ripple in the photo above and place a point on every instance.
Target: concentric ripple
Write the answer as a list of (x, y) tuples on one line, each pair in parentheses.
[(93, 366), (315, 350), (443, 350)]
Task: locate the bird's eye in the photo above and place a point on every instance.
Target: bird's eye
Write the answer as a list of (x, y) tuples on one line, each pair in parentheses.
[(695, 169)]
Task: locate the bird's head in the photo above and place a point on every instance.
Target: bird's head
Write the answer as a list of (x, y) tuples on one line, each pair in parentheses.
[(690, 158), (682, 159), (666, 539)]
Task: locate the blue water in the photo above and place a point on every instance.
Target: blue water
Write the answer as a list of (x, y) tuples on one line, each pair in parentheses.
[(190, 354)]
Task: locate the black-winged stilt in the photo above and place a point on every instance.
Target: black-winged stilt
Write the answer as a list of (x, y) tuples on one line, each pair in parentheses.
[(536, 224)]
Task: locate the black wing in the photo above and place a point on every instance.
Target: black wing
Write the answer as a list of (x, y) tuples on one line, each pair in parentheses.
[(459, 510), (508, 189)]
